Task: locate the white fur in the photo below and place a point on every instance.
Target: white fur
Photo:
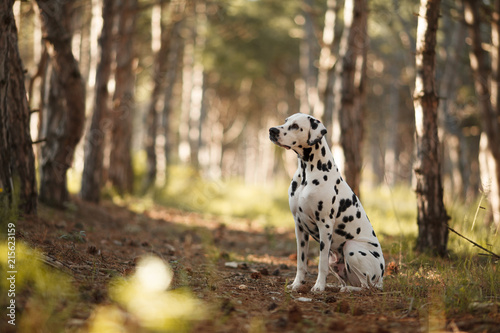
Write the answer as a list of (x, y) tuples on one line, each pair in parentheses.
[(324, 207)]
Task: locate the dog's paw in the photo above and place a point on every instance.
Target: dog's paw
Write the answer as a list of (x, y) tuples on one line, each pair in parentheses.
[(295, 285), (318, 287)]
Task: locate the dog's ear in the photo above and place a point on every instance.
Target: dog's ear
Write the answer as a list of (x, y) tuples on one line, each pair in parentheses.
[(316, 133)]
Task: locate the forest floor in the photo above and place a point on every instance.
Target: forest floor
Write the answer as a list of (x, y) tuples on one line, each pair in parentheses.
[(237, 270)]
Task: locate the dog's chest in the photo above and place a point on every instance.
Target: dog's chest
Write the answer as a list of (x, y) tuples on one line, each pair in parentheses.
[(333, 203)]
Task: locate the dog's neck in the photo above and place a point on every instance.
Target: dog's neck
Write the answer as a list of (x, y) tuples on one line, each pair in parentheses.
[(316, 158)]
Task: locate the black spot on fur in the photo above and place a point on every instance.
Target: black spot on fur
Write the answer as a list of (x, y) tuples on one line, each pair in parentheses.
[(320, 205), (351, 253), (316, 213), (354, 199), (358, 214), (301, 229), (303, 257), (302, 243), (341, 226), (293, 143), (340, 232), (327, 226), (311, 157), (333, 199), (343, 205), (382, 267), (362, 253), (321, 246), (300, 209), (325, 178), (294, 187), (358, 231), (323, 151), (315, 182), (338, 181), (345, 219), (319, 165), (375, 254), (306, 154), (351, 218), (349, 236), (373, 277), (373, 233), (306, 237), (314, 123), (373, 244)]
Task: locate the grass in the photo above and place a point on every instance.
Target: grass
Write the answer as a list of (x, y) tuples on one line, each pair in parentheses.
[(466, 281), (452, 285)]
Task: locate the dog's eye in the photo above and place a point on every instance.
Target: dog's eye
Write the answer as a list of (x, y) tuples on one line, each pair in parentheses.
[(294, 127)]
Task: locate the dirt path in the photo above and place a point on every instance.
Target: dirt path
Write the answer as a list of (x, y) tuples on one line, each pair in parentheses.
[(239, 271)]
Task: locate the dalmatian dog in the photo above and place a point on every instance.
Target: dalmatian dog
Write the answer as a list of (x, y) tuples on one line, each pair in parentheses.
[(324, 207)]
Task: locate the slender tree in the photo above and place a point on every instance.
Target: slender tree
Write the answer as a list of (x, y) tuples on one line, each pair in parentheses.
[(350, 88), (328, 57), (431, 216), (164, 74), (64, 114), (120, 173), (17, 164), (94, 145), (487, 84)]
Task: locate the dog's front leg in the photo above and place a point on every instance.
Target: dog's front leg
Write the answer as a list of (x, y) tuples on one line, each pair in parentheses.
[(302, 249), (323, 267)]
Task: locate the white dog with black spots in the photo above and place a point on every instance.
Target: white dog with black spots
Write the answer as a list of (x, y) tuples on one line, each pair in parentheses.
[(324, 207)]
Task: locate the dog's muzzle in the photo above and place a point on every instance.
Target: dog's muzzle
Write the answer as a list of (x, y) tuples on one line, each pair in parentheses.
[(274, 134)]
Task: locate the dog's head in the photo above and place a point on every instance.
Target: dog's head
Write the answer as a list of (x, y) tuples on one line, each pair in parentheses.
[(299, 131)]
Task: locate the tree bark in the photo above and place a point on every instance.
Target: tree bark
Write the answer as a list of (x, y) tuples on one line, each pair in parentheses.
[(353, 50), (431, 215), (94, 145), (174, 59), (17, 164), (121, 174), (64, 115), (328, 57), (488, 97), (309, 50), (163, 84)]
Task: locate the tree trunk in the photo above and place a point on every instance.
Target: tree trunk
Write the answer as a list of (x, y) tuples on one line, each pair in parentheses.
[(121, 174), (94, 145), (64, 115), (17, 165), (163, 84), (353, 50), (431, 215), (328, 57), (174, 59), (308, 55), (489, 99)]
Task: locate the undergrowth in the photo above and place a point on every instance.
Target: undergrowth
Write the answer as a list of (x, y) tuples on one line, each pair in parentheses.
[(465, 281)]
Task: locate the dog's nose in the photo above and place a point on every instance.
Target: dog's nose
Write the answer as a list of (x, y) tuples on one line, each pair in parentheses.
[(274, 131)]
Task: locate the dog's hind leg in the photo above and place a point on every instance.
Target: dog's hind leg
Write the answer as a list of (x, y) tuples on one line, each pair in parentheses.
[(364, 267)]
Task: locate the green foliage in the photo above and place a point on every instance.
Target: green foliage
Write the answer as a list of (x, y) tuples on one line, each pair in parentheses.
[(145, 296), (187, 190), (49, 293)]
